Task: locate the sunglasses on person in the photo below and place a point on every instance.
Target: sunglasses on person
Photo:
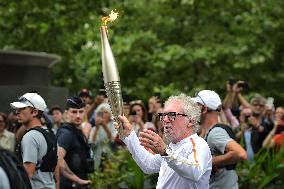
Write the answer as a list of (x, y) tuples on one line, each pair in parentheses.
[(24, 99), (257, 104), (171, 115)]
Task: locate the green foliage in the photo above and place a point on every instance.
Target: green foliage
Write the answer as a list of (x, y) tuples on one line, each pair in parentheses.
[(163, 45), (119, 170), (265, 172)]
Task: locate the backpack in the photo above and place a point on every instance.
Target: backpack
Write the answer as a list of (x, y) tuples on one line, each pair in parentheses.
[(232, 135), (14, 170), (49, 160)]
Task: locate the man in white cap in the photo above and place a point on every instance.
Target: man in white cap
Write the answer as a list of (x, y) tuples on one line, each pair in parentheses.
[(225, 150), (37, 143)]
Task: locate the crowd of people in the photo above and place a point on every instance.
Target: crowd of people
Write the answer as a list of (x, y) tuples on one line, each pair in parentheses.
[(192, 142)]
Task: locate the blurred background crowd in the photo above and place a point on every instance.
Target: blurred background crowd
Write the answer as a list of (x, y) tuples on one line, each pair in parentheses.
[(256, 121)]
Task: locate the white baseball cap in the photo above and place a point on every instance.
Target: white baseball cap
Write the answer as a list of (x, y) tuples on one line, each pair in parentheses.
[(209, 99), (30, 99)]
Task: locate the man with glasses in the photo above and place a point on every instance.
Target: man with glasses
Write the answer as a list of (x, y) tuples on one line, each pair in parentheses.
[(73, 148), (186, 161), (225, 150), (34, 145), (260, 126)]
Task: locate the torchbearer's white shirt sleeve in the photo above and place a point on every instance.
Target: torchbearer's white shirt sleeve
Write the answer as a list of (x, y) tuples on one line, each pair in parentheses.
[(148, 162), (182, 168)]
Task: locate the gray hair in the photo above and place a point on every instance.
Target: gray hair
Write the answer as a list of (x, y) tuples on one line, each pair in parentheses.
[(104, 106), (189, 107)]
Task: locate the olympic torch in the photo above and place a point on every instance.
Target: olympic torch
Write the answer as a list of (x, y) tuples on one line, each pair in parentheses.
[(111, 75)]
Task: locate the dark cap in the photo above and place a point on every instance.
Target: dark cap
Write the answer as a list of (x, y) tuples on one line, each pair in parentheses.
[(74, 102), (85, 92)]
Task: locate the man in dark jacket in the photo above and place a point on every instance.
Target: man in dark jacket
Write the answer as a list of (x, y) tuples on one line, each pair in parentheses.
[(73, 149)]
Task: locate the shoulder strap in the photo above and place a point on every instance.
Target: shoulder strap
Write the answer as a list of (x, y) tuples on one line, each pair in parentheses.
[(43, 131), (227, 128)]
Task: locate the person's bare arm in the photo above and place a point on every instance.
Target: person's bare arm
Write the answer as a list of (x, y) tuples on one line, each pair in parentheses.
[(66, 171), (234, 153), (243, 101), (268, 143), (229, 100), (30, 168), (57, 176)]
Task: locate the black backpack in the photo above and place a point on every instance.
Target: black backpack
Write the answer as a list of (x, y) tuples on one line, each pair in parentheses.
[(49, 160), (232, 135), (14, 170)]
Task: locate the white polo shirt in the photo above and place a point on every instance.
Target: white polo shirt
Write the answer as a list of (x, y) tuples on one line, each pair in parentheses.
[(188, 164)]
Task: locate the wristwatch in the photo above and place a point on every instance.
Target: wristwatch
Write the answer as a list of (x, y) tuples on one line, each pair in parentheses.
[(166, 151)]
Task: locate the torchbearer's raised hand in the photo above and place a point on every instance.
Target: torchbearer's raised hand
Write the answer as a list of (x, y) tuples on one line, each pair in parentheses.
[(127, 127), (153, 141)]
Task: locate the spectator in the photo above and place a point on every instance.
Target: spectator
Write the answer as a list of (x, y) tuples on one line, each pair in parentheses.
[(12, 122), (104, 133), (260, 128), (36, 148), (276, 136), (87, 98), (245, 132), (186, 161), (100, 98), (138, 117), (57, 117), (154, 104), (234, 98), (233, 101), (225, 150), (126, 105), (7, 138)]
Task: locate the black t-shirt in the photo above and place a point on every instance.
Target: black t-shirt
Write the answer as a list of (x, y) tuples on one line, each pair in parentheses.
[(77, 151)]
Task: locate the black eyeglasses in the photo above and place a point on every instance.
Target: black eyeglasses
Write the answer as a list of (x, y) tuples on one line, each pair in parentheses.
[(23, 99), (171, 115)]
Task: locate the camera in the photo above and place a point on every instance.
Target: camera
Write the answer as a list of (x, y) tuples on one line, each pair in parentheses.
[(99, 114), (241, 84), (231, 82), (244, 85), (133, 113), (247, 118)]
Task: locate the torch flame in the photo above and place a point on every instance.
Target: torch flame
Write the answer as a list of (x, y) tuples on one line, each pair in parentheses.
[(110, 18)]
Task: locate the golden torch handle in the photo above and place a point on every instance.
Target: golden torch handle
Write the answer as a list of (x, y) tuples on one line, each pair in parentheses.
[(111, 80)]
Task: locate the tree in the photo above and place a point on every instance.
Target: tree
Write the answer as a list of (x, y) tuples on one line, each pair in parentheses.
[(163, 45)]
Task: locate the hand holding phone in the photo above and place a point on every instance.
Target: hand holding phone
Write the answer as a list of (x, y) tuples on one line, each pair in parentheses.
[(269, 103)]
